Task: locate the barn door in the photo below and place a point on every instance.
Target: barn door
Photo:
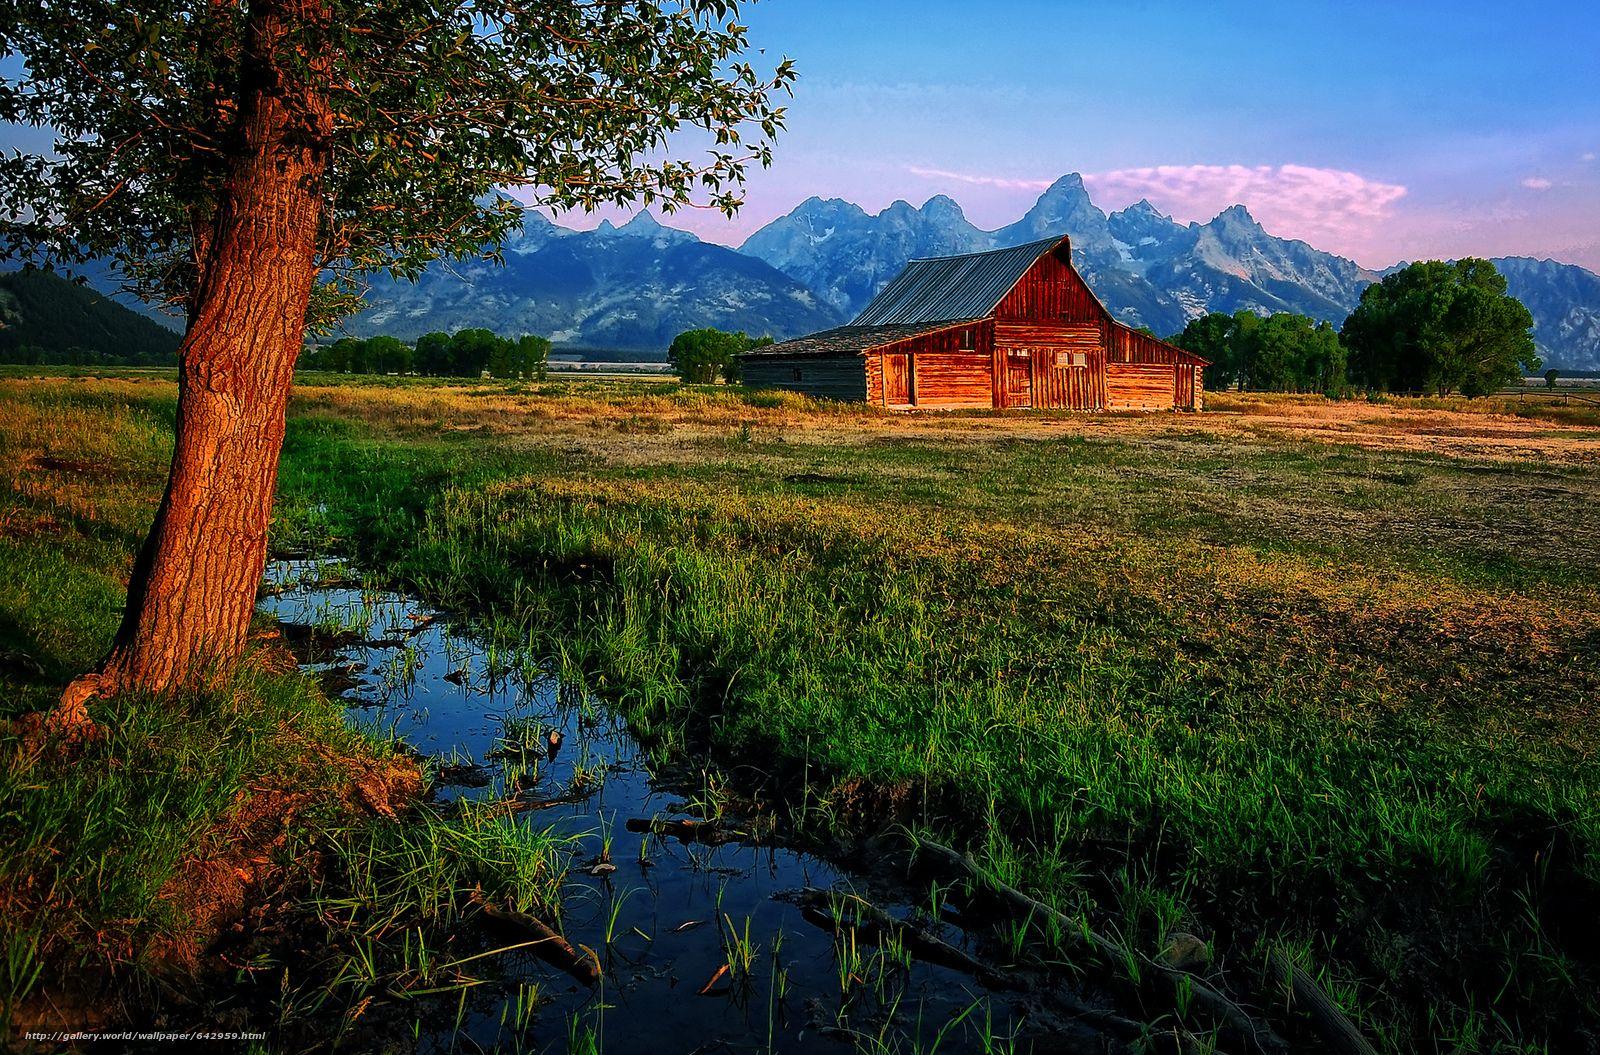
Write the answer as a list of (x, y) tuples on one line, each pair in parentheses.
[(1019, 378), (896, 380)]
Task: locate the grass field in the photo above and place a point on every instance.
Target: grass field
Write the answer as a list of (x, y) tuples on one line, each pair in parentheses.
[(127, 856), (1290, 674)]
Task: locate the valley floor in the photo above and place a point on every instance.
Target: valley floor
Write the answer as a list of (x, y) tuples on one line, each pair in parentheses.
[(1297, 676)]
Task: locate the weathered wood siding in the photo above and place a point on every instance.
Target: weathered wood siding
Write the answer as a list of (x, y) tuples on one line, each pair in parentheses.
[(1186, 391), (874, 368), (943, 374), (1060, 384), (1131, 346), (1066, 365), (950, 380), (844, 378), (1140, 386), (1051, 293)]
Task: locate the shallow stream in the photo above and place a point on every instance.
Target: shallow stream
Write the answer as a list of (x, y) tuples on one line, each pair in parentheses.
[(682, 909)]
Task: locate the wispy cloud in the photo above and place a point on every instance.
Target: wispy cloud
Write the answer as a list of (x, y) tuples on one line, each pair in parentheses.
[(1331, 208), (1587, 156), (1295, 200), (1537, 183), (999, 182)]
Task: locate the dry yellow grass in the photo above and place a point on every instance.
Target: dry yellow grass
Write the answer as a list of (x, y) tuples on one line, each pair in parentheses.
[(1460, 428)]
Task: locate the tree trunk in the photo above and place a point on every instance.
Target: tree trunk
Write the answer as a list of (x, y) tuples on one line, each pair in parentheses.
[(194, 583)]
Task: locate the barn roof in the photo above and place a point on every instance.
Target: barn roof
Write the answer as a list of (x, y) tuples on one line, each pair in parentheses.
[(947, 288), (851, 339)]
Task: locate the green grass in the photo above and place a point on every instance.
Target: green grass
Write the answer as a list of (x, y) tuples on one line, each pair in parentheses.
[(1305, 693), (124, 855), (1332, 697)]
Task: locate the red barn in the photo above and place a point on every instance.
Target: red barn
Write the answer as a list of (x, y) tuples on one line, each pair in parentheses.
[(1013, 327)]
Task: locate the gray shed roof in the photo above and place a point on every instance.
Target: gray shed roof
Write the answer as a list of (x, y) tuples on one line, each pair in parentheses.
[(848, 340), (952, 287)]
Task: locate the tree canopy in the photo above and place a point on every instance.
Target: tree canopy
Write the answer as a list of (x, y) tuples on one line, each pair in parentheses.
[(248, 162), (1211, 337), (1440, 327), (418, 111), (1283, 352), (702, 356)]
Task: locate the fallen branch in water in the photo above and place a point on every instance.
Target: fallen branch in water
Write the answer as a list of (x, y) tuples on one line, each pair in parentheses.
[(1199, 993), (818, 906), (1333, 1028), (821, 907), (708, 832), (566, 798), (550, 946)]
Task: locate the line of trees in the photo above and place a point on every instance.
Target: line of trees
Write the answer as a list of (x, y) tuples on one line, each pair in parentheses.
[(1279, 353), (1431, 327), (702, 356), (465, 353)]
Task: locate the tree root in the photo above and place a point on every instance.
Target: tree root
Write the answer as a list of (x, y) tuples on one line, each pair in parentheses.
[(1181, 984), (69, 722)]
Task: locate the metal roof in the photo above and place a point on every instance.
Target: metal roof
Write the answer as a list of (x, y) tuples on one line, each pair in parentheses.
[(948, 288), (849, 340)]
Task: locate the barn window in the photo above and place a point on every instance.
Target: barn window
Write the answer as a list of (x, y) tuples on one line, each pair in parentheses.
[(1065, 359), (966, 340), (797, 373)]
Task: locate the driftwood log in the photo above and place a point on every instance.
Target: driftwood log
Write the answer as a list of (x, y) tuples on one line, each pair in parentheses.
[(1200, 993), (1337, 1033), (551, 947)]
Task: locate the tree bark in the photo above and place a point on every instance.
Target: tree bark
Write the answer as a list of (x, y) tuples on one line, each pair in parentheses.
[(194, 582)]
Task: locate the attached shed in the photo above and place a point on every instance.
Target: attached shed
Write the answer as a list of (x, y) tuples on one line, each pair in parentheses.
[(1013, 327)]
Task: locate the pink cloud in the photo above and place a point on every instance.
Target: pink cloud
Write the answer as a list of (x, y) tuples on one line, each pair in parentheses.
[(1327, 207), (1000, 182), (1537, 183)]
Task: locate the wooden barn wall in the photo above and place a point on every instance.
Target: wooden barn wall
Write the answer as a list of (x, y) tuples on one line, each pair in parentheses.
[(1080, 335), (1140, 386), (1051, 291), (943, 374), (1051, 384), (1131, 346), (1068, 387), (1189, 393), (843, 378), (952, 379)]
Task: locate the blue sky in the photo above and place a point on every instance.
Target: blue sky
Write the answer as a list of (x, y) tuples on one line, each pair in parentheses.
[(1380, 130), (1383, 131)]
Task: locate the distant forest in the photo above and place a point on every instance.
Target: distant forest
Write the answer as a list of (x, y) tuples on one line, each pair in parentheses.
[(47, 319)]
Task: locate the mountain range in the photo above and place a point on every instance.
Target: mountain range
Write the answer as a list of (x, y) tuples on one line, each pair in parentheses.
[(634, 287), (631, 289)]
